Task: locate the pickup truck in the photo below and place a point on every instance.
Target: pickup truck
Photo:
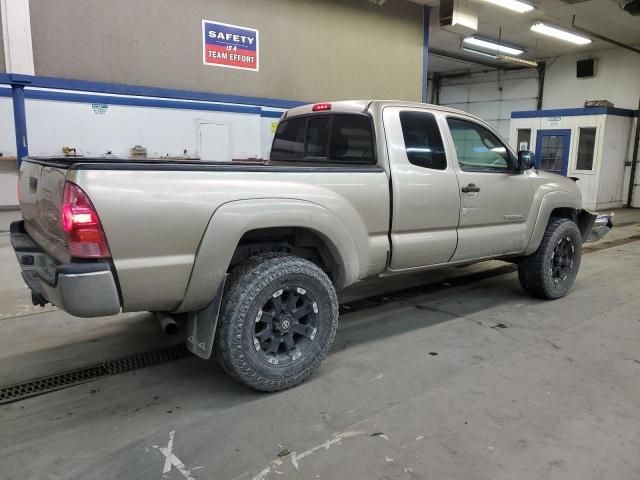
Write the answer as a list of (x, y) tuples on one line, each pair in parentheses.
[(250, 256)]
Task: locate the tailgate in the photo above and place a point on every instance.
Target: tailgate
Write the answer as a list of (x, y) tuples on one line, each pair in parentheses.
[(41, 188)]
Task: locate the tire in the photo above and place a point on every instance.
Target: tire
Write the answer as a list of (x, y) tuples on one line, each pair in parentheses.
[(550, 272), (278, 319)]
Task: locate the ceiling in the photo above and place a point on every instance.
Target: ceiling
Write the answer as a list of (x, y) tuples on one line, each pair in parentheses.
[(604, 17)]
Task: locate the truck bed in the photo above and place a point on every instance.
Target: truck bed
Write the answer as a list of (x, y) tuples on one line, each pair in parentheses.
[(155, 213)]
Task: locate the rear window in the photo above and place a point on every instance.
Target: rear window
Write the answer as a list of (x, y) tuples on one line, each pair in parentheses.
[(340, 138)]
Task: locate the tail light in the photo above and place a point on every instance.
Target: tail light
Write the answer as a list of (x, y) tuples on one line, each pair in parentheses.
[(85, 236)]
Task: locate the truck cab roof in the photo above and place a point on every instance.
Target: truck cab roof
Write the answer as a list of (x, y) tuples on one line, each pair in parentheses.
[(358, 106)]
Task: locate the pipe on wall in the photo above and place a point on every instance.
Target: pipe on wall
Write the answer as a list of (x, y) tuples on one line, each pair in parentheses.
[(634, 159), (542, 69)]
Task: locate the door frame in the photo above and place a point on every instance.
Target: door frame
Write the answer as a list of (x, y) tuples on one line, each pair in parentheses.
[(200, 123), (566, 144)]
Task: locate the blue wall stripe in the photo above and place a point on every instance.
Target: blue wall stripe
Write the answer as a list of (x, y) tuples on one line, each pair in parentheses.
[(426, 16), (121, 89), (270, 114), (138, 102), (574, 112)]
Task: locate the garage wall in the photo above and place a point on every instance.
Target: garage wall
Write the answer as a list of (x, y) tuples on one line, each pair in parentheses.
[(309, 49), (492, 96), (563, 90)]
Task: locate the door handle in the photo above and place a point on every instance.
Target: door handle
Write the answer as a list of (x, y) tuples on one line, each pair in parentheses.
[(471, 188)]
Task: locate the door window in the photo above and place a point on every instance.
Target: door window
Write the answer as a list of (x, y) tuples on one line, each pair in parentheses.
[(478, 149), (422, 140), (551, 152)]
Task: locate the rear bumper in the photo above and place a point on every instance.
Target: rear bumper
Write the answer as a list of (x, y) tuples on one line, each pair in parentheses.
[(81, 289)]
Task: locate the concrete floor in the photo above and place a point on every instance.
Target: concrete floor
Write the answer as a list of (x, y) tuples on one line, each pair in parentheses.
[(429, 387)]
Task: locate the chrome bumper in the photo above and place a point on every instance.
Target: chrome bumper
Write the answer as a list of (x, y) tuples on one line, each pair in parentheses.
[(602, 223), (81, 289)]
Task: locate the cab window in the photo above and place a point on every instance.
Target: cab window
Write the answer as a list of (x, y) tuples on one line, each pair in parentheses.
[(422, 140), (478, 149), (330, 138)]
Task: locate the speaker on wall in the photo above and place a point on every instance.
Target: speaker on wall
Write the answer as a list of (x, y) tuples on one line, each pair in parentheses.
[(586, 68)]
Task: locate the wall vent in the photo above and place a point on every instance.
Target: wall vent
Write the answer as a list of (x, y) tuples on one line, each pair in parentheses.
[(586, 68)]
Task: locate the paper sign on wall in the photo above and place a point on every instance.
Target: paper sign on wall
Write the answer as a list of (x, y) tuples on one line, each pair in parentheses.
[(230, 46), (554, 121)]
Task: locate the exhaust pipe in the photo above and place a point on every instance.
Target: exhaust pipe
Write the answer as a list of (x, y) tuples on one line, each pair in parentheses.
[(167, 323)]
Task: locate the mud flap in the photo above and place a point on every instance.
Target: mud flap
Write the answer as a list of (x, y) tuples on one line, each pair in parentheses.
[(201, 326)]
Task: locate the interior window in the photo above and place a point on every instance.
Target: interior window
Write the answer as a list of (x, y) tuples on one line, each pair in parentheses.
[(422, 140), (288, 143), (351, 139), (586, 147), (477, 148)]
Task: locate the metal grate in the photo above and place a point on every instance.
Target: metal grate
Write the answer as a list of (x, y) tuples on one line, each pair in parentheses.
[(40, 386)]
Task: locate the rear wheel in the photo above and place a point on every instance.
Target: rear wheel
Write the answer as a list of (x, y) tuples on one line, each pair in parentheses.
[(550, 272), (278, 321)]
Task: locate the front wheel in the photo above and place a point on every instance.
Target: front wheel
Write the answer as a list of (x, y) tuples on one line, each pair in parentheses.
[(278, 321), (550, 271)]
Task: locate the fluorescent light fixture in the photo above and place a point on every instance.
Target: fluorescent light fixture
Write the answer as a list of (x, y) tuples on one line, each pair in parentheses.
[(489, 45), (521, 61), (514, 5), (560, 34), (479, 52)]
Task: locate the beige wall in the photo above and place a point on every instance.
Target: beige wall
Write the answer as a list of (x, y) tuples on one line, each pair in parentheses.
[(3, 67), (309, 49)]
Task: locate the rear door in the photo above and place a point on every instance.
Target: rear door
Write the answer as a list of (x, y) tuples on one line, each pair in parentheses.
[(426, 195), (495, 198)]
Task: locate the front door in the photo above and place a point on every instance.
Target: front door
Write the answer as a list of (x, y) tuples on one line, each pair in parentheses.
[(495, 197), (552, 150)]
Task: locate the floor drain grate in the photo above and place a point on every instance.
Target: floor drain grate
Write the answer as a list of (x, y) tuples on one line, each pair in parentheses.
[(40, 386)]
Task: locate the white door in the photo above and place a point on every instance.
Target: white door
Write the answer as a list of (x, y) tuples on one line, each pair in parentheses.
[(214, 142)]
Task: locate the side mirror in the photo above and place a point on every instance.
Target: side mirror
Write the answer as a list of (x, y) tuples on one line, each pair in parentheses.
[(526, 160)]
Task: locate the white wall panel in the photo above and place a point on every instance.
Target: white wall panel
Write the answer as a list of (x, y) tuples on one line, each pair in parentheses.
[(616, 80), (52, 125), (8, 168), (7, 130), (492, 97)]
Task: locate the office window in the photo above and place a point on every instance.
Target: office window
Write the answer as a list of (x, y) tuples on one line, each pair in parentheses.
[(586, 148)]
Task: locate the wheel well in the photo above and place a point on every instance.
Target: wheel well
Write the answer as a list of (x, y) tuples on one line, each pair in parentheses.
[(564, 212), (302, 242)]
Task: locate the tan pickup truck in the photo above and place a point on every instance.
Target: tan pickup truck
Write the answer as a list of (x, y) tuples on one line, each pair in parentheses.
[(252, 255)]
